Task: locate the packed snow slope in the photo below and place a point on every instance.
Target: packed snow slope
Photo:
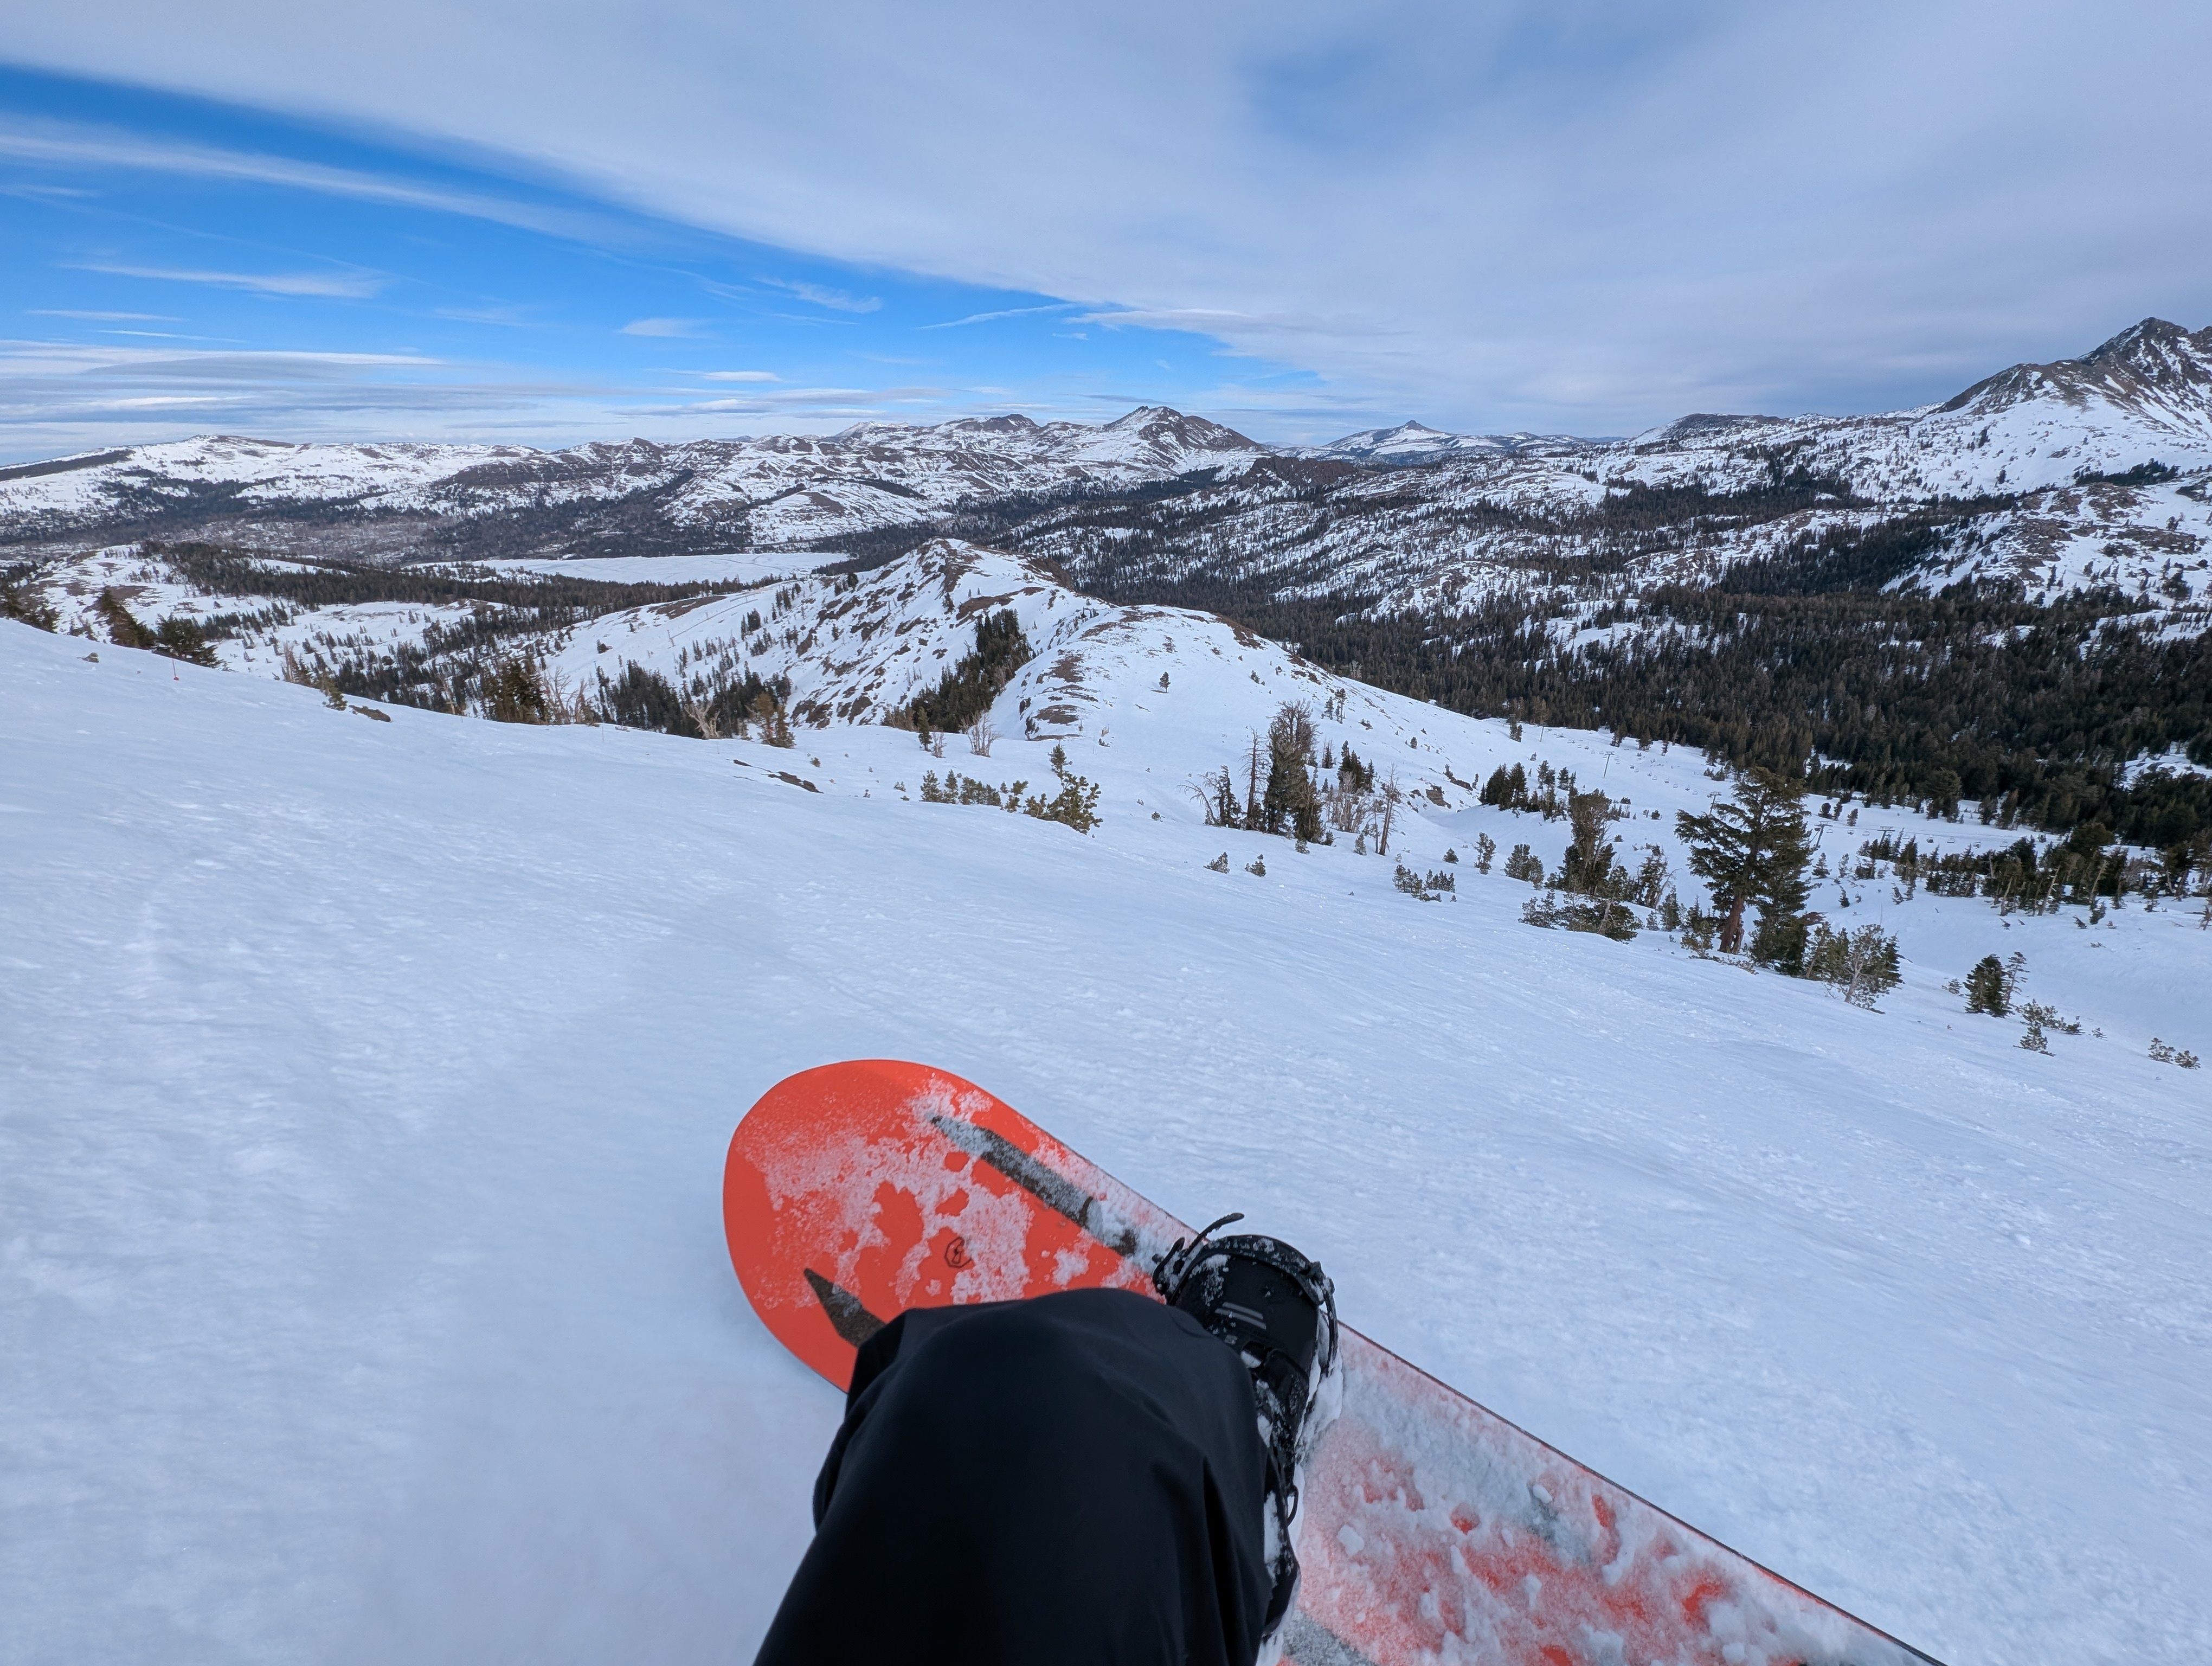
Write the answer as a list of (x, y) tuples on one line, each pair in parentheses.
[(1151, 700), (368, 1084)]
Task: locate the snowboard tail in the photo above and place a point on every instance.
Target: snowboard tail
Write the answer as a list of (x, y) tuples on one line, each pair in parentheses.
[(1434, 1529)]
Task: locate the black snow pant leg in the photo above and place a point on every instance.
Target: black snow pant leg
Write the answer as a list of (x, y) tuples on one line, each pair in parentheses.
[(1072, 1480)]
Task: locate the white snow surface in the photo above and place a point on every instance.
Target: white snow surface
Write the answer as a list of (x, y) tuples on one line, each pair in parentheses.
[(362, 1294)]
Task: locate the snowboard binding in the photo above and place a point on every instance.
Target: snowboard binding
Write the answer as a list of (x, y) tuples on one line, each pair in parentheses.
[(1277, 1309)]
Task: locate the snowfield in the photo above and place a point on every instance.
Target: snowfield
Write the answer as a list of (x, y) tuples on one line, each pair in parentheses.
[(366, 1087)]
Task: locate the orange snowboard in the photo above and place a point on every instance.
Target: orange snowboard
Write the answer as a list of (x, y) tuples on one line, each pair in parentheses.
[(1434, 1531)]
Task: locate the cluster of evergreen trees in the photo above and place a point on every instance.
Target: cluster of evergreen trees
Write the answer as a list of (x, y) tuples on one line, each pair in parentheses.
[(177, 637), (1281, 794), (1806, 663), (483, 660), (965, 692), (1075, 804), (1754, 849), (2085, 866), (1288, 791)]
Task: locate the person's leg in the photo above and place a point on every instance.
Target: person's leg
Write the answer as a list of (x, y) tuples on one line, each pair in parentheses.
[(1070, 1479)]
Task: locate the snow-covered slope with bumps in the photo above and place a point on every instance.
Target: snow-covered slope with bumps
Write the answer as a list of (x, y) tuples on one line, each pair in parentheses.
[(361, 1289)]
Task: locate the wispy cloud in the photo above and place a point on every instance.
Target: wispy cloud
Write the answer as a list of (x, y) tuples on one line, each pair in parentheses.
[(331, 286), (677, 328), (103, 317), (1004, 312), (59, 145), (838, 300), (514, 317), (741, 375)]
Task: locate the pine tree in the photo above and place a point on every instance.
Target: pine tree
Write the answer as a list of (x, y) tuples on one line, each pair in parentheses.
[(1588, 866), (1989, 987), (1289, 795), (1752, 849)]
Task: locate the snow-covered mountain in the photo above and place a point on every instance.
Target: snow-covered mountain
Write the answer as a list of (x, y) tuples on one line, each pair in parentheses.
[(1417, 442), (2142, 397), (2084, 473), (779, 491), (2093, 469), (2090, 476)]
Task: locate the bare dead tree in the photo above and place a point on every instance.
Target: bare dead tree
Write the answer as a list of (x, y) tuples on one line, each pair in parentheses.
[(1391, 796), (700, 711)]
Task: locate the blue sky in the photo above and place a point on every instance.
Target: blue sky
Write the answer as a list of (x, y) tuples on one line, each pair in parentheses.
[(560, 220), (174, 265)]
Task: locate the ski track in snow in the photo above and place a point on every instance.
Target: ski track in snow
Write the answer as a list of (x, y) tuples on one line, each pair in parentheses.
[(362, 1294)]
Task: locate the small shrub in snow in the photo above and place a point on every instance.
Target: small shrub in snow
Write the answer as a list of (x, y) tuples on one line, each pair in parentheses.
[(2039, 1016), (1219, 864), (981, 737), (1486, 848), (1258, 866), (1600, 915), (516, 690), (1452, 855), (958, 789), (1862, 964), (1990, 985), (1781, 942), (20, 602), (2165, 1054), (1428, 887), (1523, 864), (1075, 803)]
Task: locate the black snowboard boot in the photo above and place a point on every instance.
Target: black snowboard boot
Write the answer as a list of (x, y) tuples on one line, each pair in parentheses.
[(1278, 1309)]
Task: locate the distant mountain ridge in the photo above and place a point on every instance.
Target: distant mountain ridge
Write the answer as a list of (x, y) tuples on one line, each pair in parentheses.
[(1417, 442), (2143, 398), (439, 500)]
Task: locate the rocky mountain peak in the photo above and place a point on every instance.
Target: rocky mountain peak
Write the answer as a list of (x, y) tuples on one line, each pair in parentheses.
[(2151, 364)]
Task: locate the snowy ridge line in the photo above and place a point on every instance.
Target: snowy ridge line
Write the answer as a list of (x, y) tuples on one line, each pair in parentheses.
[(778, 491)]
